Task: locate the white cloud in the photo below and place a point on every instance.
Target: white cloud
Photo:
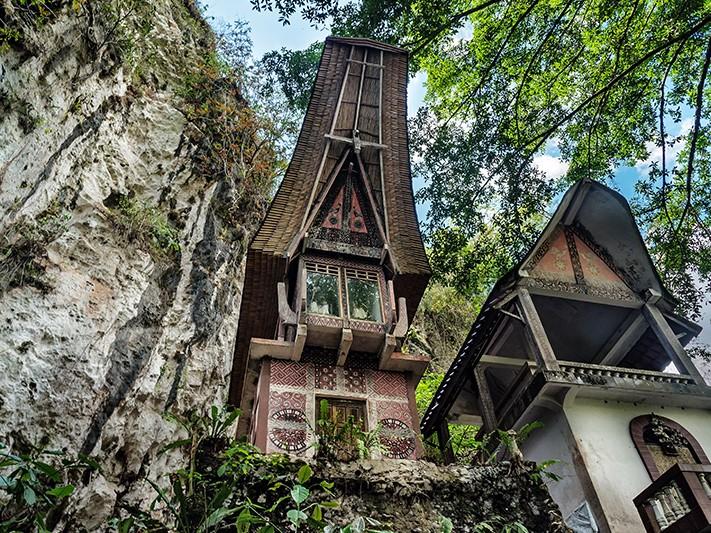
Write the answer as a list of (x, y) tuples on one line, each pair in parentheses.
[(553, 167)]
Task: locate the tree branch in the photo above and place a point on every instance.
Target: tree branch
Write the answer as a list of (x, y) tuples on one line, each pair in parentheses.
[(541, 137), (488, 69), (450, 22), (695, 132), (662, 133)]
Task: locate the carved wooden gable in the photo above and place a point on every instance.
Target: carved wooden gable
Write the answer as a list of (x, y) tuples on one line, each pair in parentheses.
[(347, 221), (568, 261)]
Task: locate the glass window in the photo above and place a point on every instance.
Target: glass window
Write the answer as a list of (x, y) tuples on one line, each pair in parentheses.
[(364, 300), (322, 294)]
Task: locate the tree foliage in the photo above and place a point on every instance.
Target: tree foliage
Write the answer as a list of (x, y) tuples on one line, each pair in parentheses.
[(603, 84)]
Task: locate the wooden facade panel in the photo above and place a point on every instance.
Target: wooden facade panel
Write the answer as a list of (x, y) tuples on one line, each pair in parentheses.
[(267, 260)]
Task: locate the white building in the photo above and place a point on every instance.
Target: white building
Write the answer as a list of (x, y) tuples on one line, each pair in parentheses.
[(582, 336)]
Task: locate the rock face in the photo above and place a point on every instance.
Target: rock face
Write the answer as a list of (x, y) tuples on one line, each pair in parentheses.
[(120, 260), (413, 496)]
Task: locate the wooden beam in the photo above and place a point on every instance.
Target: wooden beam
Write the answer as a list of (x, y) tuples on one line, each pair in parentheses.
[(299, 342), (358, 62), (498, 360), (445, 443), (486, 402), (622, 340), (346, 140), (400, 329), (387, 349), (634, 303), (374, 206), (501, 335), (286, 313), (670, 343), (312, 211), (360, 98), (536, 333), (277, 349), (345, 346)]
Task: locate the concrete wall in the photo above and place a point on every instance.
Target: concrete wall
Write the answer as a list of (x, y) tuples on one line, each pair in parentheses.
[(553, 442), (601, 431)]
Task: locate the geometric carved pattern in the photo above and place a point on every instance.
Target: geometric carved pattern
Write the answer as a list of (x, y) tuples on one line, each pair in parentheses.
[(290, 415), (288, 373), (286, 400), (334, 218), (325, 377), (389, 384), (289, 439), (398, 410), (355, 380), (662, 442), (293, 407), (397, 438)]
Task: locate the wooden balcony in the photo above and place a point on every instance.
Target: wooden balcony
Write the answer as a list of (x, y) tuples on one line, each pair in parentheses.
[(678, 502)]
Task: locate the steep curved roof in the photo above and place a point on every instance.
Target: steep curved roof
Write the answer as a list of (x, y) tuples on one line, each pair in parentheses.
[(348, 67), (593, 209)]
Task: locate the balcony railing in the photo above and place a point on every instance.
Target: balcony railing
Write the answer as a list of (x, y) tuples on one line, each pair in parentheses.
[(679, 501)]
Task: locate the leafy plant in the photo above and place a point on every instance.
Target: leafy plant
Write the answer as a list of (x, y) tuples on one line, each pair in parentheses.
[(347, 441), (37, 485), (232, 483), (145, 223)]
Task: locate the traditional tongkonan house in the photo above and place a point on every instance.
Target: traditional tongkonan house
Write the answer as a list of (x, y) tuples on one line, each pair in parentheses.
[(337, 269), (582, 336)]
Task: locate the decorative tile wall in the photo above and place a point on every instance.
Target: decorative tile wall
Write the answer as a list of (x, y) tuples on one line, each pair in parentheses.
[(294, 387)]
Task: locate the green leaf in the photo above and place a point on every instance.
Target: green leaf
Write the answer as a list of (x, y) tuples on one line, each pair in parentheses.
[(304, 474), (217, 516), (327, 485), (358, 525), (29, 496), (61, 492), (330, 504), (48, 470), (296, 517), (299, 494), (125, 525), (317, 513), (267, 529), (177, 444), (446, 525), (6, 483)]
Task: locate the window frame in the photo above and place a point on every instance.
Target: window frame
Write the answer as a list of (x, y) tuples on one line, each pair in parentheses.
[(343, 269), (325, 269), (381, 292)]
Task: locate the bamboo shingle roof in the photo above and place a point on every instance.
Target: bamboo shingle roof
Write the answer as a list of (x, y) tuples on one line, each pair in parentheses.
[(360, 85)]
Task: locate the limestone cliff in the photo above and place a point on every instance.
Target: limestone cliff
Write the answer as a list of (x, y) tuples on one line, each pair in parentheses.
[(122, 234)]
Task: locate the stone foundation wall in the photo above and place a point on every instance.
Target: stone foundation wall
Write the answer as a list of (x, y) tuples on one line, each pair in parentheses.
[(412, 496)]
